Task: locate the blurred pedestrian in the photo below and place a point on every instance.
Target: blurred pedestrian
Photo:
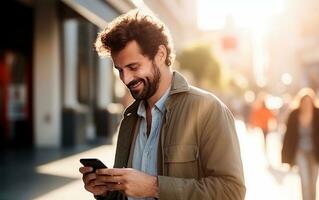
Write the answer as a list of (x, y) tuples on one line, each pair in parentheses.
[(261, 116), (175, 141), (301, 141)]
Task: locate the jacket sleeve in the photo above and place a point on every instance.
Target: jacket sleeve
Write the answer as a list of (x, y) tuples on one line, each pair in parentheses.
[(219, 159), (115, 195)]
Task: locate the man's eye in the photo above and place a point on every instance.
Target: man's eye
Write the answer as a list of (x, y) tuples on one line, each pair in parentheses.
[(133, 67)]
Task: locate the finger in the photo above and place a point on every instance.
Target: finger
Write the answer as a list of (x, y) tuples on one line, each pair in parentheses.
[(98, 190), (110, 179), (115, 186), (111, 172), (85, 170), (89, 177), (97, 182)]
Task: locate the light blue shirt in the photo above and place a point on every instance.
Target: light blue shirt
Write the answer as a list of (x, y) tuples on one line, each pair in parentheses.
[(145, 150)]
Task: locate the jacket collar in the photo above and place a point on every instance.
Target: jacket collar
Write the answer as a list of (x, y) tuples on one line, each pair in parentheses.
[(131, 109), (179, 85)]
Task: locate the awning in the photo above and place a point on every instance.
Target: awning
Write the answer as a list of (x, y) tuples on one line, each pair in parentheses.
[(96, 11)]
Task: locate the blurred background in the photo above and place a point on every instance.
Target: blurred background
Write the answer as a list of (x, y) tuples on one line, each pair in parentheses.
[(60, 102)]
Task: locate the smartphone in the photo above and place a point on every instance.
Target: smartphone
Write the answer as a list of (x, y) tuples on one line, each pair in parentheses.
[(92, 162)]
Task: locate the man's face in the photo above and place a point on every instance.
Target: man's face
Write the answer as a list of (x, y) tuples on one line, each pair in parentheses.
[(140, 74)]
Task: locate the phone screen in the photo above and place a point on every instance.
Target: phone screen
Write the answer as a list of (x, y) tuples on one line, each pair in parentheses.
[(93, 162)]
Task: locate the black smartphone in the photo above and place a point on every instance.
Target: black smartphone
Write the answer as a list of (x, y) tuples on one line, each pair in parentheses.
[(92, 162)]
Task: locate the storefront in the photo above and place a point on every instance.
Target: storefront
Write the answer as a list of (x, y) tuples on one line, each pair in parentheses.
[(16, 74), (55, 91)]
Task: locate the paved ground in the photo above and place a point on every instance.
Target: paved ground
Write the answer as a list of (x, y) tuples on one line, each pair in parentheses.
[(53, 174), (266, 178)]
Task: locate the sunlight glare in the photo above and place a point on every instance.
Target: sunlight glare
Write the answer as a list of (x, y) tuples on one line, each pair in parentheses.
[(246, 13)]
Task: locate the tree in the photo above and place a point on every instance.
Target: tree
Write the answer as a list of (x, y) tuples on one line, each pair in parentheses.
[(200, 61)]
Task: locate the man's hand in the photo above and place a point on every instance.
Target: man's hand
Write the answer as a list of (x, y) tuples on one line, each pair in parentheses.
[(90, 183), (130, 181)]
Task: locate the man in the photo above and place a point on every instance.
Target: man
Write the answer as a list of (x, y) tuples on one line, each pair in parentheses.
[(175, 141)]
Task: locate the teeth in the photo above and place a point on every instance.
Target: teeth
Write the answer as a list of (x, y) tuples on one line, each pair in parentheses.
[(135, 85)]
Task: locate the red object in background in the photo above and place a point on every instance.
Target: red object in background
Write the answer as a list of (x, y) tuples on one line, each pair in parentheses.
[(260, 117), (229, 43), (4, 95)]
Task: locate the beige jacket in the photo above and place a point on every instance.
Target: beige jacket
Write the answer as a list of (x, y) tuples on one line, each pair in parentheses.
[(199, 155)]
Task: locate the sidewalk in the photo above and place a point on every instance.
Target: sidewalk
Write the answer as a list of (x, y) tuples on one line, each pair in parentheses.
[(266, 178), (47, 173)]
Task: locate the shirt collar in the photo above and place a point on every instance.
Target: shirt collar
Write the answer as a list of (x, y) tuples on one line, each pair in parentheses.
[(160, 104)]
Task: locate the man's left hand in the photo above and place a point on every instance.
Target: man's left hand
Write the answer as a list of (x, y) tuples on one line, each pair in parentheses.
[(132, 182)]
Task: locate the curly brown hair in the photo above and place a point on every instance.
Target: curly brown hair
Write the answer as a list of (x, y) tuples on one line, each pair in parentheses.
[(145, 29)]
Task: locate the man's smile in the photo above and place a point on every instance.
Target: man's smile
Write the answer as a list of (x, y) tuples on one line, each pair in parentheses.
[(135, 85)]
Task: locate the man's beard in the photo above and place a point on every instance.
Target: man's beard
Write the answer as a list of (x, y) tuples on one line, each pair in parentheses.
[(151, 85)]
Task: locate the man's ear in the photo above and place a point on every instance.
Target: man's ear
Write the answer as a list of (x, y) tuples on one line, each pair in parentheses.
[(161, 55)]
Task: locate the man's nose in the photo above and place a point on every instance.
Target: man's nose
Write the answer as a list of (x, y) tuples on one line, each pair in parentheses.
[(126, 78)]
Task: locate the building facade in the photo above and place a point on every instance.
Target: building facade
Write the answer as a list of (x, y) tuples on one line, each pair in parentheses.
[(55, 90)]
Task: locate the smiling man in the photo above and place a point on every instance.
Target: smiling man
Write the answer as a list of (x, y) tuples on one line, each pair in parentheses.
[(175, 141)]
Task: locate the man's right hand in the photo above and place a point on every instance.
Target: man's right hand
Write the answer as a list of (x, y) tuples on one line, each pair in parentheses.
[(90, 183)]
